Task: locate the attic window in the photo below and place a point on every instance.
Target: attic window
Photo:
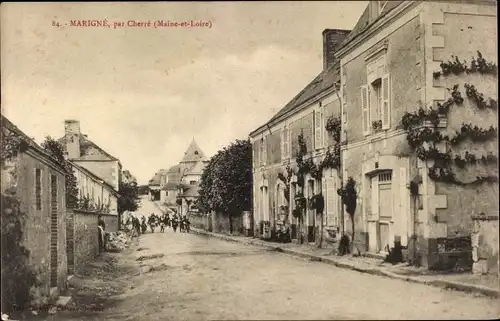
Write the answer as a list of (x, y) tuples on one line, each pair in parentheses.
[(196, 152)]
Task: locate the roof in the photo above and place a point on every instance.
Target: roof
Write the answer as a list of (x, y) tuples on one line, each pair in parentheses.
[(364, 21), (174, 169), (325, 80), (170, 186), (6, 123), (197, 169), (156, 180), (191, 191), (85, 144), (89, 173), (193, 153)]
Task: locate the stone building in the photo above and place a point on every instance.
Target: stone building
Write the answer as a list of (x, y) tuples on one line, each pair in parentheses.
[(275, 146), (85, 153), (38, 181), (389, 66)]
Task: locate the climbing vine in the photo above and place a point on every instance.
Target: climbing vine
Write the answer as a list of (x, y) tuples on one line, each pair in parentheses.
[(478, 98), (456, 67), (423, 135), (18, 277)]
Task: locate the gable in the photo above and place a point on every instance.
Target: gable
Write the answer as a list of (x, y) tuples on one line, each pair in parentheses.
[(193, 153)]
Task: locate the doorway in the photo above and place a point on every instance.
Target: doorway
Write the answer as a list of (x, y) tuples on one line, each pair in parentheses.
[(385, 200)]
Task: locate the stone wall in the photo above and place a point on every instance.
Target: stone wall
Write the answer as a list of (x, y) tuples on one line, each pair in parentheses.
[(86, 240), (220, 224), (199, 221), (485, 244)]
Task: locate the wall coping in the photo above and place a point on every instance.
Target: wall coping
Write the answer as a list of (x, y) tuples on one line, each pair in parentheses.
[(90, 212), (485, 218)]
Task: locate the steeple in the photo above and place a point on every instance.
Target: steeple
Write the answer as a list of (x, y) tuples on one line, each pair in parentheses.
[(193, 154)]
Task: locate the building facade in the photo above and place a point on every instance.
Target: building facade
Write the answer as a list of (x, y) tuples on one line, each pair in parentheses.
[(275, 147), (99, 195), (389, 68), (90, 156), (38, 182)]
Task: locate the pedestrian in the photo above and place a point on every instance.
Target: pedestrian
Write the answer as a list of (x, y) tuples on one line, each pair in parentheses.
[(152, 222), (162, 224), (188, 224), (101, 225), (175, 223), (143, 225)]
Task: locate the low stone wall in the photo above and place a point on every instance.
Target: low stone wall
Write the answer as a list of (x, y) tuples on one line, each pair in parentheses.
[(220, 224), (86, 242), (83, 236), (485, 244), (199, 221)]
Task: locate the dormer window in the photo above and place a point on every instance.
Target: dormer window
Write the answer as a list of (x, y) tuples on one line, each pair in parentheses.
[(196, 152)]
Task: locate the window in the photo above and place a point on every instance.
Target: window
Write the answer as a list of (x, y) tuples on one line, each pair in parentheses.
[(38, 188), (375, 96), (192, 182)]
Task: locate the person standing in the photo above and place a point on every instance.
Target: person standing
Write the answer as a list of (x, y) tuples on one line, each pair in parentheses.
[(101, 225)]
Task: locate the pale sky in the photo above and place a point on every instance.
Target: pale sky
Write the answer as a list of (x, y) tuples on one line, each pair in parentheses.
[(136, 91)]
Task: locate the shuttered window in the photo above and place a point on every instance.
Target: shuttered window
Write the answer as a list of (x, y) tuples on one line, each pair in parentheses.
[(386, 106), (318, 132), (331, 199), (286, 144), (365, 110)]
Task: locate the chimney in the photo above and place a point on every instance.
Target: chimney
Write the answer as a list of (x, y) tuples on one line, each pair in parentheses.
[(332, 38), (72, 138)]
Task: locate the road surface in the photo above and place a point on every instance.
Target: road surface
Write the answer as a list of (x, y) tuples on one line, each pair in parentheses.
[(191, 277)]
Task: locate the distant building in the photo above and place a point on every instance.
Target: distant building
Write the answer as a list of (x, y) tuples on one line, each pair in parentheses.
[(180, 182), (82, 151)]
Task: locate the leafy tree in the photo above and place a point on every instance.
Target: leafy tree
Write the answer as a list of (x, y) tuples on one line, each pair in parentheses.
[(226, 182), (128, 199), (349, 197), (58, 151)]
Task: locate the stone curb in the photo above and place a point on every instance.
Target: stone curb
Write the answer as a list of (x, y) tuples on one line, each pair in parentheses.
[(374, 271)]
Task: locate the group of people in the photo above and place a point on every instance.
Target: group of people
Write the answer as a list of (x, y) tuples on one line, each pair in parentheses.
[(163, 221)]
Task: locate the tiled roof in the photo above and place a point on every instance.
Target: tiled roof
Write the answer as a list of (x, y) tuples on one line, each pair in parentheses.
[(325, 80), (85, 144)]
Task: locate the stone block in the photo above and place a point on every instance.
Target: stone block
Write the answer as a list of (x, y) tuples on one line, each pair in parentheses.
[(439, 202), (480, 267)]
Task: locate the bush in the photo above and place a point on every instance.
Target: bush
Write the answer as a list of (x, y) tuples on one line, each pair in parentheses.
[(17, 275)]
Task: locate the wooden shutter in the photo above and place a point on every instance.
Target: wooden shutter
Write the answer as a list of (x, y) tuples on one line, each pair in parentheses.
[(317, 129), (386, 102), (286, 152), (331, 199), (375, 203), (365, 110)]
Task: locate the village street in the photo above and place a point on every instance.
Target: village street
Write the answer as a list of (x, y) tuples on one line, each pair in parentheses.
[(175, 276)]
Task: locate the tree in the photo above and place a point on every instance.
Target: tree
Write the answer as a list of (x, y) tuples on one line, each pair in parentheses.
[(59, 153), (128, 199), (349, 197), (226, 182)]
